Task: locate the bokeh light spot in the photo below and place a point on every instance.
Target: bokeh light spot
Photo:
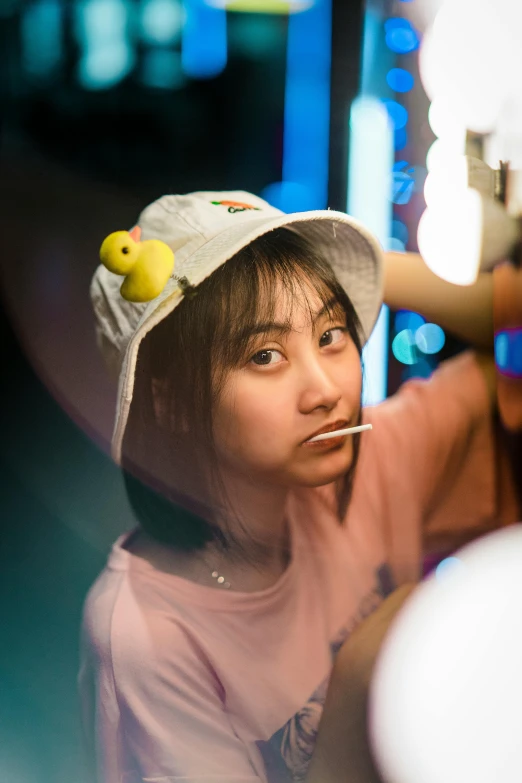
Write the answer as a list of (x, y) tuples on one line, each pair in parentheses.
[(401, 36), (398, 114), (400, 231), (400, 139), (430, 338), (41, 37), (400, 80), (103, 67), (406, 319), (448, 567), (162, 69), (162, 21), (404, 348), (403, 182), (421, 369), (392, 243), (501, 350), (508, 352)]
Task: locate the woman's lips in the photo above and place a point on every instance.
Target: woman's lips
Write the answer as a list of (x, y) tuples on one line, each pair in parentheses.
[(327, 443), (335, 425)]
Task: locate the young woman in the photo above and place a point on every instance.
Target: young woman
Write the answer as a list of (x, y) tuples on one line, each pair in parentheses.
[(212, 638)]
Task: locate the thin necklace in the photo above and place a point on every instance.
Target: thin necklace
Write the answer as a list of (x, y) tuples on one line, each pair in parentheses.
[(220, 580)]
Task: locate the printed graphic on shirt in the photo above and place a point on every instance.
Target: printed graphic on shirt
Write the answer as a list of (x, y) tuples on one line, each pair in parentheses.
[(287, 753), (236, 206)]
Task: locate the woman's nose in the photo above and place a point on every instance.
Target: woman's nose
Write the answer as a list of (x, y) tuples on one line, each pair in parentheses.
[(319, 388)]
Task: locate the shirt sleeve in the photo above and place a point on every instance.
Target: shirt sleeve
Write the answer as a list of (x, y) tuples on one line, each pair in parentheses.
[(158, 710), (435, 450)]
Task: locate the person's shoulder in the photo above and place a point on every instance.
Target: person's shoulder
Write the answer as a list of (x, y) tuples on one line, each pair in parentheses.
[(125, 627), (457, 385)]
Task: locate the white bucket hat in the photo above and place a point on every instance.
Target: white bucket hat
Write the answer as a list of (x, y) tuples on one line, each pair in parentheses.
[(204, 230)]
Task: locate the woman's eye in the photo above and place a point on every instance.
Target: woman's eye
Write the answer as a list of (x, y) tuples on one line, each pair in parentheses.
[(265, 357), (333, 336)]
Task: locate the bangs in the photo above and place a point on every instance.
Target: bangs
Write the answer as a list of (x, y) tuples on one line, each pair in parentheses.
[(249, 289)]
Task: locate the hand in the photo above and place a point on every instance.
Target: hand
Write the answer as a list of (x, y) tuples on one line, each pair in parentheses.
[(356, 659), (342, 752)]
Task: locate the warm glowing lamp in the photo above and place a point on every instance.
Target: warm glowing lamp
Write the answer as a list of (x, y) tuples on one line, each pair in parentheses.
[(445, 124), (463, 58), (465, 233), (457, 173), (446, 694)]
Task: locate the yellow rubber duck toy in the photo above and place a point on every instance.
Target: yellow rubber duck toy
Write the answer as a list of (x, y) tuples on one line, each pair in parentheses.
[(146, 265)]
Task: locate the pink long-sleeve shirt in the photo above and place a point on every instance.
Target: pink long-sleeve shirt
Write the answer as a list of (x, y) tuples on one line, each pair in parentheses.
[(181, 682)]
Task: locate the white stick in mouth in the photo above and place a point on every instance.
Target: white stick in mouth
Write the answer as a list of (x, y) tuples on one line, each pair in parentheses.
[(336, 433)]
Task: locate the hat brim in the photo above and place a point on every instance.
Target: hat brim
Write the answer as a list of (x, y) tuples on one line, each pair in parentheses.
[(353, 252)]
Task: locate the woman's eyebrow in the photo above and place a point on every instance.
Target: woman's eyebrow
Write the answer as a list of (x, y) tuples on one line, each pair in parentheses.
[(274, 327)]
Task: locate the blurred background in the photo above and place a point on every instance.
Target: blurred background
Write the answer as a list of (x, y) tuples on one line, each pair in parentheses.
[(104, 106)]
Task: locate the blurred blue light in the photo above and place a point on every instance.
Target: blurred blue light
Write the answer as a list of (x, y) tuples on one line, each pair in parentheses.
[(162, 69), (400, 80), (41, 33), (403, 347), (392, 243), (501, 350), (103, 67), (406, 319), (99, 22), (398, 114), (430, 338), (403, 182), (448, 567), (204, 40), (421, 369), (400, 231), (368, 199), (396, 23), (400, 139), (161, 21), (508, 352), (256, 36), (307, 101), (289, 196), (401, 36)]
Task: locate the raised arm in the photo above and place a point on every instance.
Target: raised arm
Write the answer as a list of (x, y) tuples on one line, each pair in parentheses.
[(465, 311)]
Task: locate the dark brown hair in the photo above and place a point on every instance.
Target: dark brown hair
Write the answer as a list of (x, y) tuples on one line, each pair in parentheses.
[(171, 468)]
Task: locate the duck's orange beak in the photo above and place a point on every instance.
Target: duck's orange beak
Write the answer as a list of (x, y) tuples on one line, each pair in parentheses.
[(135, 233)]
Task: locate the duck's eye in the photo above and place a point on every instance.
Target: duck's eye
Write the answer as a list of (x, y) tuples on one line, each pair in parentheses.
[(125, 250)]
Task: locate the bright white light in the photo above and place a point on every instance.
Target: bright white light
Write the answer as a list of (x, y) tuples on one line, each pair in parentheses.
[(446, 693), (457, 173), (462, 59), (442, 153), (464, 233), (450, 237), (445, 124), (451, 173)]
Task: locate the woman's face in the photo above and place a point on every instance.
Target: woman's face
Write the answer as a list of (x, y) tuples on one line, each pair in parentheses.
[(292, 385)]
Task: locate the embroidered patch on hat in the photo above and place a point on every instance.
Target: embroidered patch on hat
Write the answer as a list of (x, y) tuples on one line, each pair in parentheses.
[(235, 206)]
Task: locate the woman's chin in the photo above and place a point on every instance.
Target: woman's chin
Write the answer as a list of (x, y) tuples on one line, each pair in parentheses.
[(326, 470)]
